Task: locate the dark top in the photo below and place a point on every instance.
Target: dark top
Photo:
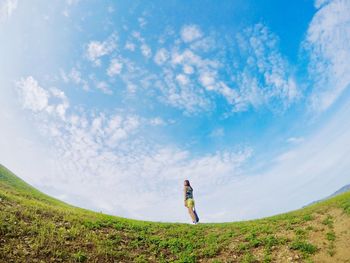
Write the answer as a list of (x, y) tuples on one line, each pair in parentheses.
[(189, 192)]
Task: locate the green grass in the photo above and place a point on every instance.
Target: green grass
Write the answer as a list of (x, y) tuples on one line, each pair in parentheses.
[(304, 247), (34, 226)]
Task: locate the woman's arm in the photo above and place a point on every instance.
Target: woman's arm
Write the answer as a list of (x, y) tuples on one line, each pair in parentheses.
[(185, 196)]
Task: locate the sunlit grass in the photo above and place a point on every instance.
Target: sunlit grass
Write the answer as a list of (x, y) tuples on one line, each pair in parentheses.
[(33, 225)]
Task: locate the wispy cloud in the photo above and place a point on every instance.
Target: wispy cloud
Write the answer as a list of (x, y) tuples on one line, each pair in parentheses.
[(146, 51), (110, 150), (115, 67), (328, 44), (193, 76), (186, 77), (103, 86), (161, 56), (144, 47), (37, 99), (266, 76), (75, 76), (142, 22), (69, 3), (130, 46), (157, 121), (96, 49), (33, 96), (219, 132), (7, 7), (190, 33), (306, 172), (259, 77)]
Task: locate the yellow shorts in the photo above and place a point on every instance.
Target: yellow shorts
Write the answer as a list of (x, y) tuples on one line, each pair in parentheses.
[(190, 203)]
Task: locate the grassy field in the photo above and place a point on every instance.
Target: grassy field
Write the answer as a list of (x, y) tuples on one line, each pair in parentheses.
[(37, 228)]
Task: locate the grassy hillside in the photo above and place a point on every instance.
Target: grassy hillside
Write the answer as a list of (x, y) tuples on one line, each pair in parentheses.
[(37, 228)]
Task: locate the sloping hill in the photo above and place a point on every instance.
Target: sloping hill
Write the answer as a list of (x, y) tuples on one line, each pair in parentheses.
[(344, 189), (37, 228)]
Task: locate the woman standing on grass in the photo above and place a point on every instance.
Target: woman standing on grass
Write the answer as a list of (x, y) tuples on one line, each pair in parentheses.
[(189, 201)]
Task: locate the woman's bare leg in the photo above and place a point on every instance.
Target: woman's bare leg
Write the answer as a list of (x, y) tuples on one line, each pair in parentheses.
[(190, 211)]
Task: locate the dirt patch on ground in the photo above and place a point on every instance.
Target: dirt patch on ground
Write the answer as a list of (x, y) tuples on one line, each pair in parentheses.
[(333, 239), (328, 230)]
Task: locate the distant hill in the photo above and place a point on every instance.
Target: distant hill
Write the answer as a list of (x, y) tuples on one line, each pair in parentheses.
[(35, 227), (344, 189)]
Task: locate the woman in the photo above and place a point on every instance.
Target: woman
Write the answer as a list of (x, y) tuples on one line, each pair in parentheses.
[(189, 202)]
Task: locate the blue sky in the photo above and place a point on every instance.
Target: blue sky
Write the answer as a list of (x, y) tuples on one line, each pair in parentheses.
[(110, 105)]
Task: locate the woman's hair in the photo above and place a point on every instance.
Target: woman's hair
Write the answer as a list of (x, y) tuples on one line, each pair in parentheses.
[(187, 183)]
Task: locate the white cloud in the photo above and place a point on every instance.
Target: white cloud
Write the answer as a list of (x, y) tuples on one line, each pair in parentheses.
[(142, 22), (119, 128), (328, 43), (62, 107), (34, 97), (69, 4), (130, 46), (182, 79), (103, 86), (7, 7), (187, 57), (310, 170), (75, 76), (157, 121), (146, 51), (231, 96), (64, 76), (207, 79), (179, 92), (259, 76), (96, 49), (190, 33), (219, 132), (108, 157), (204, 44), (176, 86), (188, 69), (37, 99), (137, 35), (161, 56), (131, 87), (115, 67), (108, 154), (265, 76)]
